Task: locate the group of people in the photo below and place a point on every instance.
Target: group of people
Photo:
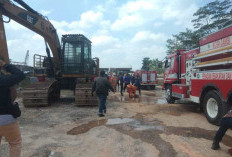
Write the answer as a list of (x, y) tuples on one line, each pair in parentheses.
[(9, 126), (127, 79), (103, 84), (120, 82)]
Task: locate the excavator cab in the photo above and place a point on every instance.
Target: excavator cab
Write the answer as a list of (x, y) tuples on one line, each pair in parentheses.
[(76, 57)]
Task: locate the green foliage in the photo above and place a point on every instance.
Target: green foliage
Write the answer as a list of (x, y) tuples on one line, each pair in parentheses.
[(212, 16), (146, 62), (183, 40), (154, 65), (209, 18)]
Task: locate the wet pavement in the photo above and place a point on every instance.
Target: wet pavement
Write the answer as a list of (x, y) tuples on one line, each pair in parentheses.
[(148, 98)]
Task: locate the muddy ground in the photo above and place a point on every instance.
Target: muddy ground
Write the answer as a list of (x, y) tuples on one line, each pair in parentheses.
[(143, 127)]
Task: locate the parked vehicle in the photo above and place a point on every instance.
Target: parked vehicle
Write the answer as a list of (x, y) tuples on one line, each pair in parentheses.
[(148, 78), (203, 75)]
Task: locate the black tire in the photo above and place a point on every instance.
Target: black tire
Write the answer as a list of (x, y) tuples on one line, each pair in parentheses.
[(152, 87), (214, 107), (168, 94), (145, 87)]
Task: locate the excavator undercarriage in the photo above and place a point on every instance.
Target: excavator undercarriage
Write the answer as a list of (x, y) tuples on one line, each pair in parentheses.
[(41, 93)]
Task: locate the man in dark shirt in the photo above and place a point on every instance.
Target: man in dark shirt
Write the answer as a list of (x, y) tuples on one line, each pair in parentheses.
[(226, 123), (102, 86), (127, 80), (121, 84), (138, 83)]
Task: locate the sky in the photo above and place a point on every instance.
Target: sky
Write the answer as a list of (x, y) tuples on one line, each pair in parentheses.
[(123, 32)]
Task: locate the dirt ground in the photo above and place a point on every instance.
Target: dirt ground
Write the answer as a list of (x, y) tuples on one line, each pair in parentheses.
[(142, 127)]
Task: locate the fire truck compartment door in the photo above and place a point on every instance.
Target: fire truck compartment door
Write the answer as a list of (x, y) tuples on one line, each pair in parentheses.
[(144, 77), (152, 77)]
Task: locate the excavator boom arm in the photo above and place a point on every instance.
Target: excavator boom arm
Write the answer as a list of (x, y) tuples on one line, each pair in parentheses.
[(33, 21)]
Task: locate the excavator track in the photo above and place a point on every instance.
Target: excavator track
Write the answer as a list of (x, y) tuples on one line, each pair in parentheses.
[(83, 96), (41, 94)]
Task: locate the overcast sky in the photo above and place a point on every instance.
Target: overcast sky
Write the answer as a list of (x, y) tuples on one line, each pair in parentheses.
[(122, 32)]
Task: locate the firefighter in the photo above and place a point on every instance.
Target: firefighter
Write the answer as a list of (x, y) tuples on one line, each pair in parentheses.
[(131, 89), (226, 123), (114, 81)]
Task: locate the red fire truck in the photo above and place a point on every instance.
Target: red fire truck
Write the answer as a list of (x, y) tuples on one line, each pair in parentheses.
[(203, 75), (148, 78)]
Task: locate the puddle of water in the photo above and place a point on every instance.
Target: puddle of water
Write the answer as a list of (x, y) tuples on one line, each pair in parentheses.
[(119, 121), (146, 127), (150, 94), (141, 99), (141, 126), (135, 124), (161, 101)]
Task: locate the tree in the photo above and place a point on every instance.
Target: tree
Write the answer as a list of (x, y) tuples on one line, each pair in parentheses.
[(154, 65), (173, 44), (212, 16), (209, 18), (146, 62), (223, 14), (184, 40)]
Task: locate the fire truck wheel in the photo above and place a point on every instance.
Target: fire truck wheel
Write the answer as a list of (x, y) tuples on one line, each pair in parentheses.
[(168, 95), (152, 87), (214, 108)]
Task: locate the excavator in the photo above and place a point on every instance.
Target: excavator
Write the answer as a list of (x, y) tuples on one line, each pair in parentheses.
[(71, 66)]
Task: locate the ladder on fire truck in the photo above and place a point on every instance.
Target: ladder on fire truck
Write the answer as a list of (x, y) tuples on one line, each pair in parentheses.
[(215, 62)]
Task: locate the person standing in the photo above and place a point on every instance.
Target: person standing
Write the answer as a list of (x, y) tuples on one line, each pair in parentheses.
[(118, 83), (138, 83), (127, 80), (9, 126), (121, 80), (225, 124), (114, 82), (102, 86), (133, 79)]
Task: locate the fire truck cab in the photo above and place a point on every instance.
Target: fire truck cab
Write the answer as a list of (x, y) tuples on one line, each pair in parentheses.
[(203, 75)]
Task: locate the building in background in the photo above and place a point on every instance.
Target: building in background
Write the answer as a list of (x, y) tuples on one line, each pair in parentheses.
[(110, 71)]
